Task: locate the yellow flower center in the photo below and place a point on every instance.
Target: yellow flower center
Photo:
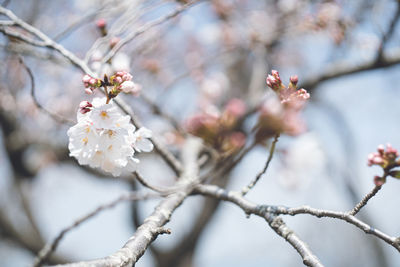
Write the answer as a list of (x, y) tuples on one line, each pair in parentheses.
[(103, 114), (85, 140)]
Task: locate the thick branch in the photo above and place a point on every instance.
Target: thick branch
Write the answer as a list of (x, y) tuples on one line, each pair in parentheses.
[(131, 252)]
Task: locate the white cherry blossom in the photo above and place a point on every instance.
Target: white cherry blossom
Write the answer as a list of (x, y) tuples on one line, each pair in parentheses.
[(104, 138), (141, 141)]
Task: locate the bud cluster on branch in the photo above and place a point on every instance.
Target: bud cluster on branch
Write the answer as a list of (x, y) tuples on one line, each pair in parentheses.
[(103, 137)]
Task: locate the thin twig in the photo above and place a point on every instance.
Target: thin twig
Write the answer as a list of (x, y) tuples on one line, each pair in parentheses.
[(51, 247), (48, 42), (77, 24), (168, 157), (56, 117), (364, 201), (143, 29), (247, 188), (388, 34)]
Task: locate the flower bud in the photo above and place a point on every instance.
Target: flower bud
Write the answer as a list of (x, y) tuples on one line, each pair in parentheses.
[(86, 78), (294, 79), (85, 107), (127, 87), (274, 80), (101, 23)]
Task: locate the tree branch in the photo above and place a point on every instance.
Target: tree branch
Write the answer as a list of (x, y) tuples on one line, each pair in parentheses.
[(386, 36), (247, 188), (56, 117), (365, 200), (135, 247), (340, 69), (145, 28), (274, 221), (51, 247)]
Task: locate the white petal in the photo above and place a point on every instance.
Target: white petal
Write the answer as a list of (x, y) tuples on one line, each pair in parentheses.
[(144, 145)]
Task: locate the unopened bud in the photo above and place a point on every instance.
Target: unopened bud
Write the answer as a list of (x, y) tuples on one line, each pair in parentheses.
[(85, 107), (127, 86), (274, 81), (294, 79), (86, 78), (101, 23)]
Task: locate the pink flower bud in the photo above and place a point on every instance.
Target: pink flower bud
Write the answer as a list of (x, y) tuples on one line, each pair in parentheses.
[(303, 94), (377, 160), (86, 78), (294, 79), (127, 76), (274, 81), (101, 23), (371, 156), (275, 73), (85, 107), (127, 86), (93, 81), (118, 80), (88, 91)]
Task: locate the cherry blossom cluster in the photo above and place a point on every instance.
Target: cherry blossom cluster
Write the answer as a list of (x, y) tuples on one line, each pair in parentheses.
[(289, 94), (91, 84), (104, 138), (218, 129), (388, 160), (121, 81), (281, 113)]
